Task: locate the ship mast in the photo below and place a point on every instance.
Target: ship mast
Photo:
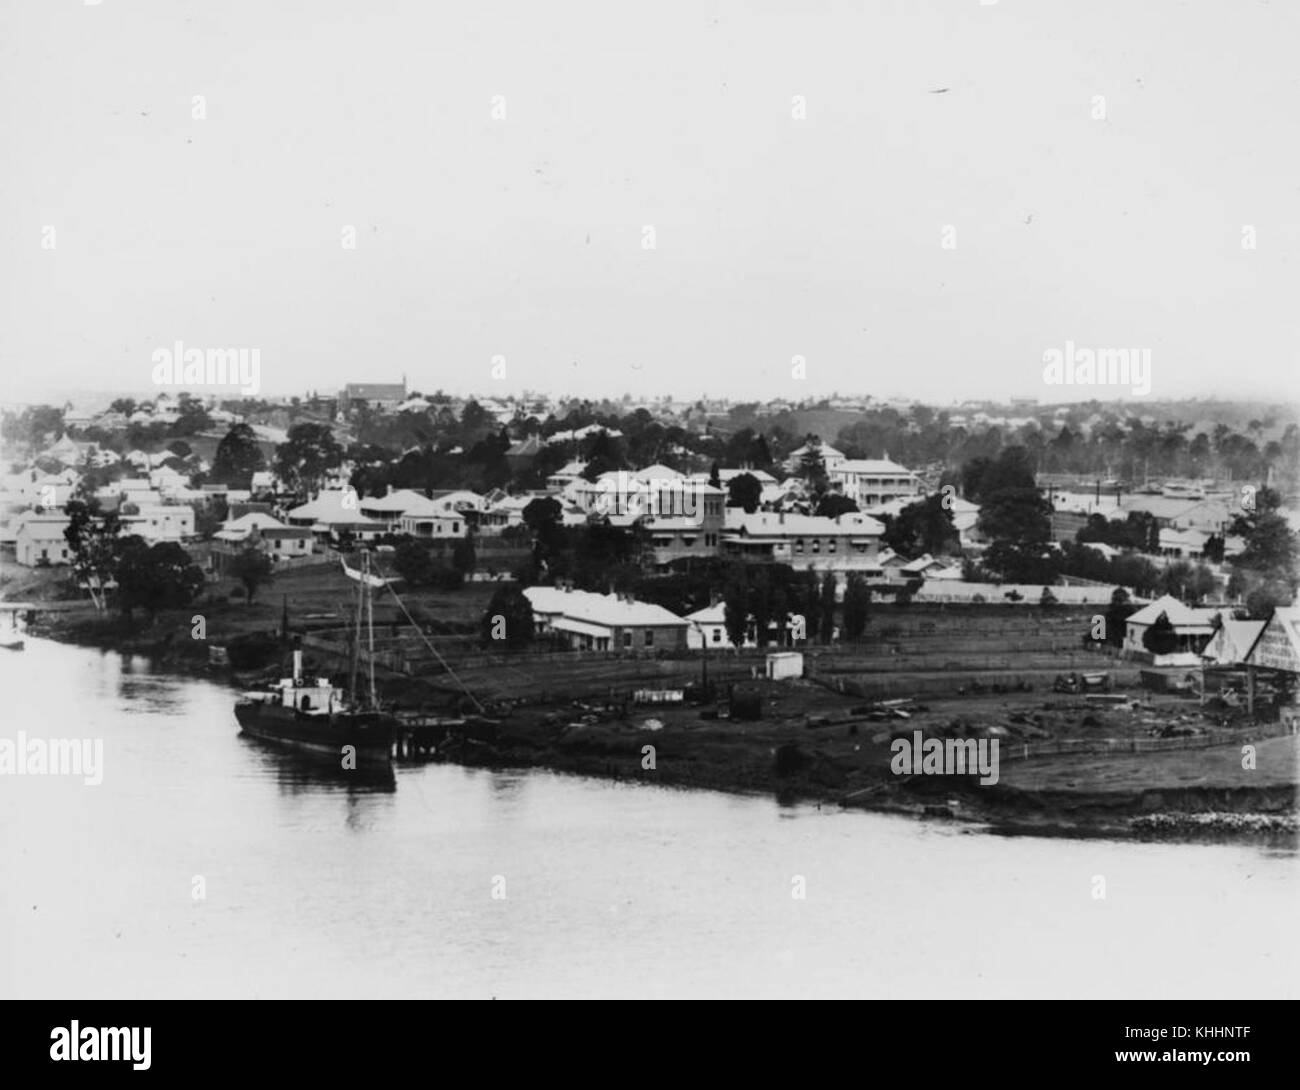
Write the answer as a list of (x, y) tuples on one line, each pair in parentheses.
[(370, 623), (356, 646)]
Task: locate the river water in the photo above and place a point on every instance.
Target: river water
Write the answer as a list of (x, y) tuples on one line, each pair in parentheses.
[(323, 887)]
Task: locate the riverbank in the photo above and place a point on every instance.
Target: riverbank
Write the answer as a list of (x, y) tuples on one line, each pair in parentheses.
[(812, 743)]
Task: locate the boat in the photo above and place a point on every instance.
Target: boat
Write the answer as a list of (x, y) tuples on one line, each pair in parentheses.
[(319, 719), (1182, 491)]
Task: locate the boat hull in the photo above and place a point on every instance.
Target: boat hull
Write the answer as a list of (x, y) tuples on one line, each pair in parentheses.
[(323, 737)]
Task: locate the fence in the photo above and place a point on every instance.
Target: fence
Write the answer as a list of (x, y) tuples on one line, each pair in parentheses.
[(1020, 751)]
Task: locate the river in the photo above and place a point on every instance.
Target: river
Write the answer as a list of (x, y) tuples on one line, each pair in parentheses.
[(324, 887)]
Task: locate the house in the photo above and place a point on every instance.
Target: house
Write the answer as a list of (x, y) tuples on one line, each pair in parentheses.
[(377, 395), (39, 541), (389, 508), (565, 476), (334, 512), (1183, 544), (830, 456), (605, 622), (925, 567), (654, 490), (806, 542), (156, 522), (678, 537), (1192, 627), (709, 630), (872, 483), (520, 455), (266, 533), (432, 520)]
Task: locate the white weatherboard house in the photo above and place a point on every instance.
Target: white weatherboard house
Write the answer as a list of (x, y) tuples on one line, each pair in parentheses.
[(337, 511), (40, 540), (605, 622), (268, 534), (1193, 628), (845, 543), (873, 482)]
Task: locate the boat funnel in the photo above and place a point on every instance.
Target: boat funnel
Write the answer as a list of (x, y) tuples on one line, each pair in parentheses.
[(297, 667)]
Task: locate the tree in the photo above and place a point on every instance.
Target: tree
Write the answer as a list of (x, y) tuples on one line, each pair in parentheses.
[(735, 601), (237, 458), (508, 619), (1160, 637), (93, 541), (1047, 598), (1116, 617), (745, 491), (304, 460), (156, 577), (922, 527), (812, 468), (413, 562), (463, 557), (539, 514), (857, 604), (1264, 572), (253, 569), (715, 477), (832, 505)]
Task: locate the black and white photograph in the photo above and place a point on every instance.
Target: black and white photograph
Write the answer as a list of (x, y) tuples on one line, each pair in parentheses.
[(734, 499)]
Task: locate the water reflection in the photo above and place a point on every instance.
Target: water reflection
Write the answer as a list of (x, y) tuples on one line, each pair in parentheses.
[(295, 774)]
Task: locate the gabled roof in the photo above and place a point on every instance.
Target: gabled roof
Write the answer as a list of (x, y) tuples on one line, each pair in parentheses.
[(607, 610), (334, 506), (1278, 644), (714, 614), (43, 527), (254, 520), (1233, 641), (1180, 616), (395, 503)]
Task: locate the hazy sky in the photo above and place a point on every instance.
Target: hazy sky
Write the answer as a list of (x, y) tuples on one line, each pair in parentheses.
[(774, 236)]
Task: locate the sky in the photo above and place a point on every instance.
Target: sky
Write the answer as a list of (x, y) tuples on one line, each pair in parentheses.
[(777, 198)]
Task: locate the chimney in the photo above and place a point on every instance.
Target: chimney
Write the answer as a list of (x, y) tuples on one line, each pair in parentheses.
[(297, 667), (781, 518), (390, 491)]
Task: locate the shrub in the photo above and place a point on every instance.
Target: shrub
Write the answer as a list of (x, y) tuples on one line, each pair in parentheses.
[(253, 651)]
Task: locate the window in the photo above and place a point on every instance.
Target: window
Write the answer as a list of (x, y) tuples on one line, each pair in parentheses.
[(455, 527), (830, 545), (816, 545), (627, 639), (798, 545), (717, 635), (649, 637), (688, 542)]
